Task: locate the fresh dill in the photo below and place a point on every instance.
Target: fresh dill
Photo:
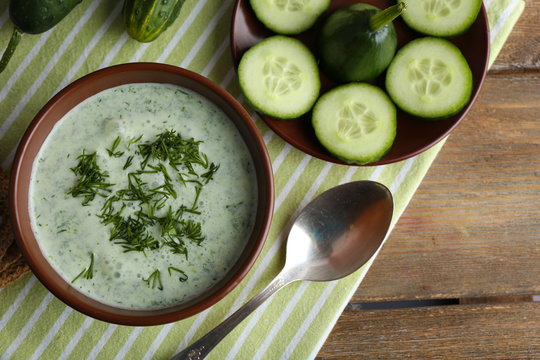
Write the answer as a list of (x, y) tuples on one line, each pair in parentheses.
[(112, 151), (133, 141), (183, 277), (154, 279), (128, 162), (197, 194), (87, 273), (168, 222), (192, 231), (151, 222), (135, 190), (171, 147), (207, 176), (91, 181), (132, 234)]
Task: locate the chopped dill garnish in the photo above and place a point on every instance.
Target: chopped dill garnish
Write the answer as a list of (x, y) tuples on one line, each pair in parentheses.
[(151, 221), (135, 191), (176, 244), (197, 194), (207, 176), (108, 212), (91, 180), (161, 168), (132, 234), (170, 146), (170, 232), (128, 162), (133, 140), (168, 223), (154, 279), (183, 277), (112, 151), (192, 231), (87, 273)]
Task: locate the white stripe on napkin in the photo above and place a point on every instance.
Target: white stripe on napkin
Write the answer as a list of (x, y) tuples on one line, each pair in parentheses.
[(24, 64), (502, 20), (20, 298), (76, 338), (102, 341), (51, 334), (176, 38), (28, 326), (48, 68), (88, 49)]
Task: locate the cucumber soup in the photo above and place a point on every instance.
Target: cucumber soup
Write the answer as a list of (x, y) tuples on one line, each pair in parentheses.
[(143, 196)]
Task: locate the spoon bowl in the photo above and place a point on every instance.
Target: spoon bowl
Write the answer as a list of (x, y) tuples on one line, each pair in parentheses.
[(332, 237), (339, 231)]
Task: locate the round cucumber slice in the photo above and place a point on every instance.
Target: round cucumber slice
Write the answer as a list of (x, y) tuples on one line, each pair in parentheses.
[(279, 77), (430, 78), (443, 18), (289, 16), (356, 122)]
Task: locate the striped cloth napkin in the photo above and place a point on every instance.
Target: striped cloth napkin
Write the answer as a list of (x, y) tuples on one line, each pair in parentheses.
[(296, 321)]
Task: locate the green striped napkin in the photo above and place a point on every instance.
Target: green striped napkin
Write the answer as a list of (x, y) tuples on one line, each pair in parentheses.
[(296, 321)]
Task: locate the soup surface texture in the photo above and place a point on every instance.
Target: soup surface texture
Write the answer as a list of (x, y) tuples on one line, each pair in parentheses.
[(143, 195)]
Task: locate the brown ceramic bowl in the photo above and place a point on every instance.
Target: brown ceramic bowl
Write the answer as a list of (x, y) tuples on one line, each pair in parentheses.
[(72, 95), (413, 135)]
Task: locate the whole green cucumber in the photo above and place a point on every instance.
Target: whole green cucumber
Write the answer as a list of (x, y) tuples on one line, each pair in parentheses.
[(145, 20), (34, 17)]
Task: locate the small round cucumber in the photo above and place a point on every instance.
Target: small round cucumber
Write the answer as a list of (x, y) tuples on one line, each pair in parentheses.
[(429, 78), (289, 16), (357, 42), (279, 77), (443, 18), (356, 122)]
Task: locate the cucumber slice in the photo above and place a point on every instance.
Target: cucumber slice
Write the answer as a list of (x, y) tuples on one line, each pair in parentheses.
[(279, 77), (443, 18), (356, 122), (289, 16), (430, 78)]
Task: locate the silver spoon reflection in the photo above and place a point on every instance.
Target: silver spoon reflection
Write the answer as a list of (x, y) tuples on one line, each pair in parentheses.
[(332, 237)]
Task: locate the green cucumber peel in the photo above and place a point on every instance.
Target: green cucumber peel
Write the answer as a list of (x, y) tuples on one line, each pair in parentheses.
[(34, 17), (385, 17), (8, 53)]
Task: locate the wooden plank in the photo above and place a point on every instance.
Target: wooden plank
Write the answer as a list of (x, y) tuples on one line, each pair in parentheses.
[(501, 331), (521, 52), (473, 227)]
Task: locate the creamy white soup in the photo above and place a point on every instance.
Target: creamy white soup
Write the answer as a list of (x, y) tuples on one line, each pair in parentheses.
[(143, 195)]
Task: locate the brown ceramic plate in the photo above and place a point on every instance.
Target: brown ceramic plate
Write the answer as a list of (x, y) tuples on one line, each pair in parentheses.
[(72, 95), (413, 136)]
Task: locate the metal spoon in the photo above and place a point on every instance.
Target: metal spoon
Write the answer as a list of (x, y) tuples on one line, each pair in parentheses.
[(332, 237)]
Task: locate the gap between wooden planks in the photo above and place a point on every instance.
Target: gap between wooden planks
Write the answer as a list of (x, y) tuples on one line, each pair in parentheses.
[(509, 330)]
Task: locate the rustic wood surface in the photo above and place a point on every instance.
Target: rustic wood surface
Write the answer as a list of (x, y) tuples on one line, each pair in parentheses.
[(491, 331), (472, 230)]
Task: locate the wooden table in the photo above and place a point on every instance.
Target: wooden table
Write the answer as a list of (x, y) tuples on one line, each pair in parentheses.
[(470, 238)]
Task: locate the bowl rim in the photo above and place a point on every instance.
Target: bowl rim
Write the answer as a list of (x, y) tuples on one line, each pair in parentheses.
[(70, 295)]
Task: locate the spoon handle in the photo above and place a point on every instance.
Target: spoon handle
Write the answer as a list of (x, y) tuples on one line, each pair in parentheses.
[(202, 347)]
